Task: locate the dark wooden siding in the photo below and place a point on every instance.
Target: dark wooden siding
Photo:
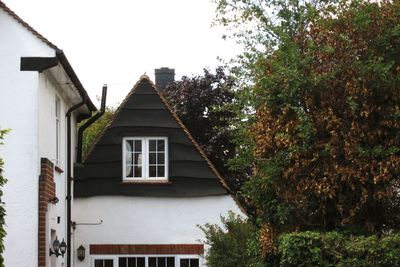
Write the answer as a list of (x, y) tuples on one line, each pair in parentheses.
[(143, 114)]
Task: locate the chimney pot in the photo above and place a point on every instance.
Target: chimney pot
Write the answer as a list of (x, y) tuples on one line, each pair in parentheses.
[(164, 76)]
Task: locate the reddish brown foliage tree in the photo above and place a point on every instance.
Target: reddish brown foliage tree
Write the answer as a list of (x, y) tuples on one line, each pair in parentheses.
[(327, 128)]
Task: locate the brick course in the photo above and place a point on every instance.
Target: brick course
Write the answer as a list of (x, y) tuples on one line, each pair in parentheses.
[(108, 249), (47, 191)]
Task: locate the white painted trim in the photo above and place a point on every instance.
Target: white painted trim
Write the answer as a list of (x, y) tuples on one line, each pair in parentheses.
[(115, 257), (145, 159), (104, 257)]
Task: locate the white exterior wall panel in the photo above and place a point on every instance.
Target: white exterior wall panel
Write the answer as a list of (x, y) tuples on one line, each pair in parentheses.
[(145, 220), (19, 112)]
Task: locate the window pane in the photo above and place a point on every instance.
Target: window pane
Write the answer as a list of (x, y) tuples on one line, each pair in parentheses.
[(98, 263), (152, 145), (138, 145), (138, 159), (160, 171), (140, 262), (160, 158), (57, 107), (185, 263), (129, 158), (171, 262), (108, 263), (160, 145), (161, 262), (152, 158), (129, 171), (122, 262), (129, 145), (152, 262), (131, 262), (152, 171), (194, 262), (138, 171)]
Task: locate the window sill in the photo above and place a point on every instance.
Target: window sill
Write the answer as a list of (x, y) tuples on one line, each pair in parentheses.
[(146, 182)]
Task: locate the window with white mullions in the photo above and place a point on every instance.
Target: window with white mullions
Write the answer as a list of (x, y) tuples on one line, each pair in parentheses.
[(103, 263), (132, 262), (133, 158), (145, 158), (58, 129), (156, 158), (161, 261), (189, 263)]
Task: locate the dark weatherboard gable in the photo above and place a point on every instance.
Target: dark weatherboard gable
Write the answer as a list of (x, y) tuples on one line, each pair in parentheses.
[(145, 113)]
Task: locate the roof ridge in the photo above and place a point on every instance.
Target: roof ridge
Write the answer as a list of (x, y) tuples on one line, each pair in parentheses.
[(27, 26), (176, 118)]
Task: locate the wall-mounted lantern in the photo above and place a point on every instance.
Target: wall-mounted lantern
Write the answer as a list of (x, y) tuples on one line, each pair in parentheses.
[(81, 253), (59, 249)]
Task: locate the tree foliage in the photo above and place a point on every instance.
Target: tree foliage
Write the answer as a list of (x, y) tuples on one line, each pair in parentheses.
[(201, 103), (325, 134), (93, 131), (338, 249), (3, 180), (233, 244)]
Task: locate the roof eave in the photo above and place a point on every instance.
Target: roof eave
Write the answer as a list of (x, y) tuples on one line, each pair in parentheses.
[(74, 79)]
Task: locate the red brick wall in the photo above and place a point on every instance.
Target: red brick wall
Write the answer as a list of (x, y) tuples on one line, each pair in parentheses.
[(47, 191), (105, 249)]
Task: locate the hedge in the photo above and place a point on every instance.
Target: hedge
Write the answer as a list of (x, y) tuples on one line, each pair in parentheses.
[(337, 249)]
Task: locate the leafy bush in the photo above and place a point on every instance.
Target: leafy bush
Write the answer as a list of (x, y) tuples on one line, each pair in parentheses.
[(234, 244), (91, 134), (337, 249)]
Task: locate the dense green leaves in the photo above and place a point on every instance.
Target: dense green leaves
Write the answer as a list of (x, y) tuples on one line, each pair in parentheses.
[(233, 244), (320, 92), (338, 249), (91, 134)]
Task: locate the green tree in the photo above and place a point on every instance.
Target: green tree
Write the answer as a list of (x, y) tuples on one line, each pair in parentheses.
[(323, 135), (3, 180), (91, 134)]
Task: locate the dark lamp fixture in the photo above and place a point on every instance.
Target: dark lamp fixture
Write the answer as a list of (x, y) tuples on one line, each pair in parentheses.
[(63, 247), (59, 249), (81, 253), (54, 200)]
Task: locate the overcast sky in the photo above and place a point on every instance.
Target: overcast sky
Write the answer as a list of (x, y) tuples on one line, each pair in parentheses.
[(115, 42)]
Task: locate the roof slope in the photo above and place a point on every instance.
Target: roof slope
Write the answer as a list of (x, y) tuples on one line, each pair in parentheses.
[(59, 54), (145, 112)]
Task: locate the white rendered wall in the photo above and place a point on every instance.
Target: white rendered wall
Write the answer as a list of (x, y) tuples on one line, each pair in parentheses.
[(145, 220), (19, 112), (47, 149)]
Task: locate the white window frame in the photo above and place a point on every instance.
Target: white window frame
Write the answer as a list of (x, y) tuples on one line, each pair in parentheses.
[(177, 258), (104, 257), (57, 109), (145, 158)]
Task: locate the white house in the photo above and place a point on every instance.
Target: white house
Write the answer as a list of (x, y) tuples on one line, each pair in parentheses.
[(144, 188), (41, 100), (139, 195)]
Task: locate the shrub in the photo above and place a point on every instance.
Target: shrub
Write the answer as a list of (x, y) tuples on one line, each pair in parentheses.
[(234, 244), (338, 249)]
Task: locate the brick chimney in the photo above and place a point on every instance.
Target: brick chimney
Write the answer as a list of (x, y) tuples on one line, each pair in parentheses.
[(164, 76)]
